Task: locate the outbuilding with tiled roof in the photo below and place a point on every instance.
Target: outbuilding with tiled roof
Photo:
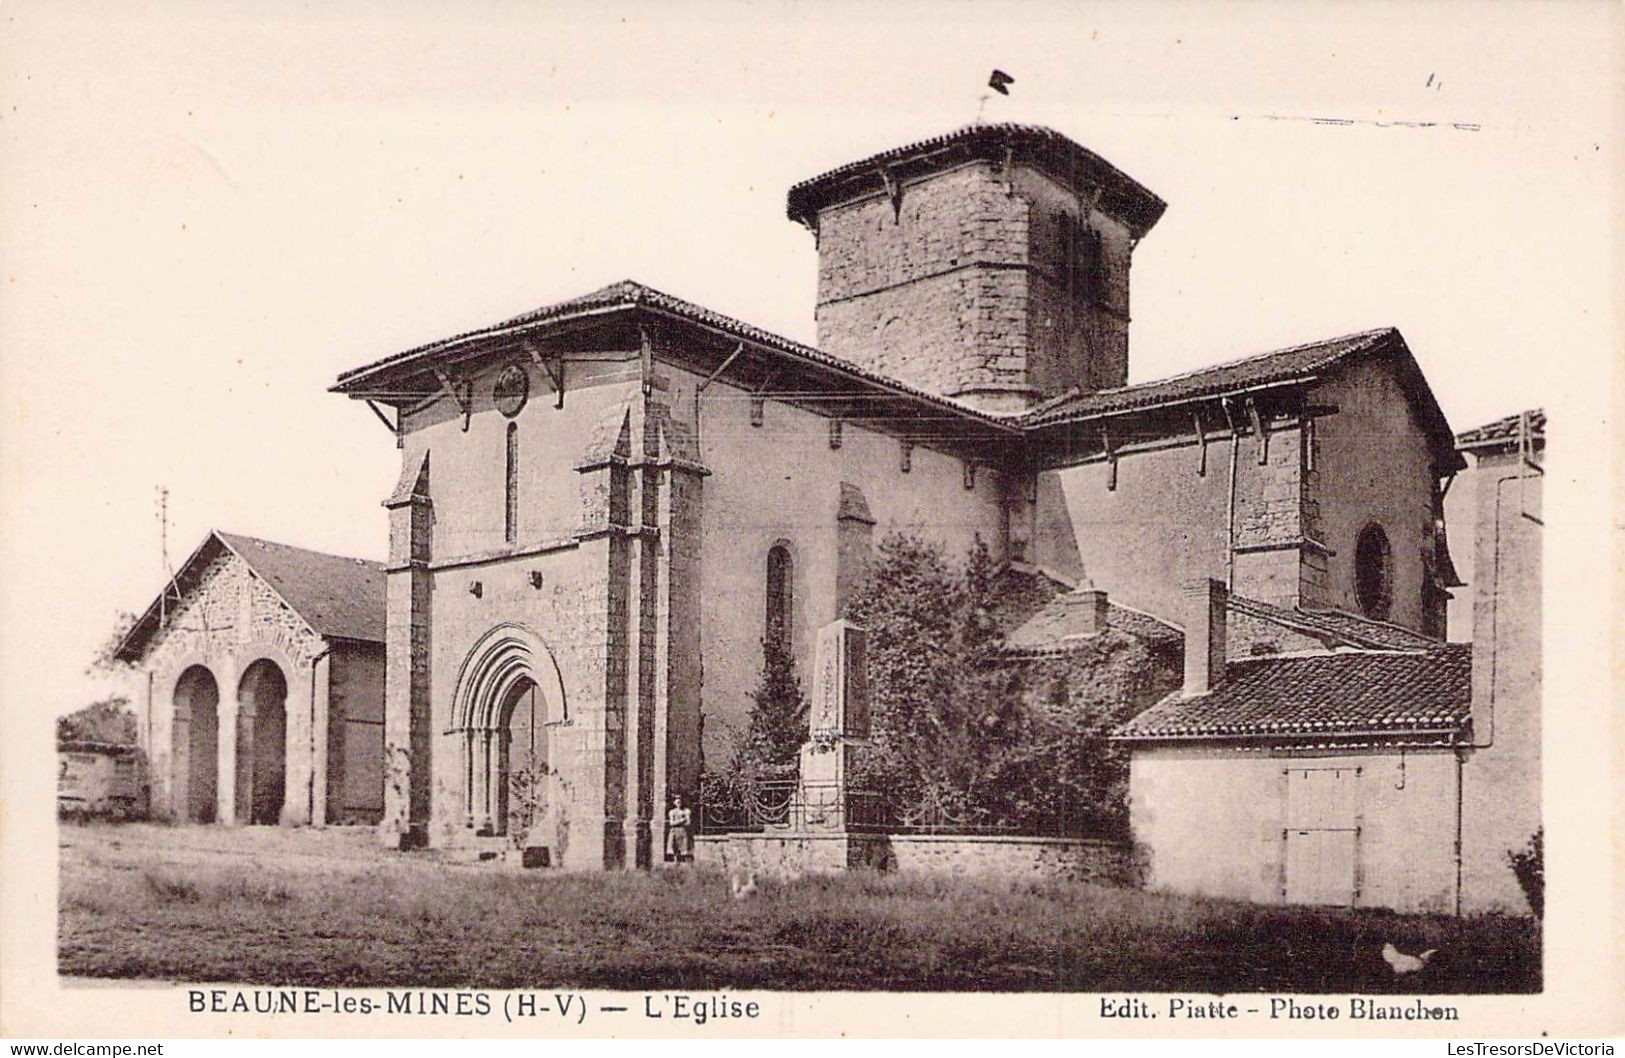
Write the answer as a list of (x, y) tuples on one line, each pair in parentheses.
[(260, 667)]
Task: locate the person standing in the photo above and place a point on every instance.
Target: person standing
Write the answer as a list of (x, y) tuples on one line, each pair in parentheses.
[(679, 831)]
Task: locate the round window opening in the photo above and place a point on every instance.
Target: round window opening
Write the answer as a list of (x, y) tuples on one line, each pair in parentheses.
[(512, 387), (1373, 573)]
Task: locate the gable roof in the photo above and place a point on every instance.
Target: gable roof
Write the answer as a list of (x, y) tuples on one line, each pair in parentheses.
[(1063, 623), (1345, 694), (1059, 156), (1504, 432), (338, 597)]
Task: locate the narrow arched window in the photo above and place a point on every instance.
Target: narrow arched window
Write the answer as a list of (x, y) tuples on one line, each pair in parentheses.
[(780, 596), (1373, 573), (510, 520)]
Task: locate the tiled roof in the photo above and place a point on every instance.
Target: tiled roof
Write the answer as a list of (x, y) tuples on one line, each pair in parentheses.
[(1282, 365), (336, 596), (628, 294), (1352, 693), (1066, 160), (1340, 627), (1503, 431), (81, 745), (1063, 623)]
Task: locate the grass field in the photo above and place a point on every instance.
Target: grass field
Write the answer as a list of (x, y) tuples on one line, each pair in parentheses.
[(269, 906)]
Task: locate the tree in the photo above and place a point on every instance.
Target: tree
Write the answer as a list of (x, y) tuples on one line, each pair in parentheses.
[(105, 659), (956, 735), (109, 720), (1529, 865), (778, 712), (941, 718)]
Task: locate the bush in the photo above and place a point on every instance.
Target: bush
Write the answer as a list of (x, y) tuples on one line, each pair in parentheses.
[(1529, 865)]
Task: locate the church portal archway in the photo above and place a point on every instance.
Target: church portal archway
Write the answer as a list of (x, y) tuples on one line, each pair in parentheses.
[(262, 735), (508, 694), (521, 777), (195, 747)]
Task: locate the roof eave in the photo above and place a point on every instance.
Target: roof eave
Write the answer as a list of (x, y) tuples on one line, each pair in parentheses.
[(134, 643), (1452, 734), (1140, 208), (352, 383)]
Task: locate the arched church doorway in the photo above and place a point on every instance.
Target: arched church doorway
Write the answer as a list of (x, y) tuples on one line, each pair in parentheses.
[(195, 745), (262, 735), (520, 779), (509, 694)]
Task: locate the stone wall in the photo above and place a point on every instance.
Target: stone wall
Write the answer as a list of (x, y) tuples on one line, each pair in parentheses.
[(924, 855), (1162, 525), (226, 622), (1373, 466), (788, 854), (598, 594), (960, 288), (783, 483), (1160, 518)]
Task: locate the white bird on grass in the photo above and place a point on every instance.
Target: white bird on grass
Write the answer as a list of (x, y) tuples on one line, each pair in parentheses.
[(743, 884), (1405, 964)]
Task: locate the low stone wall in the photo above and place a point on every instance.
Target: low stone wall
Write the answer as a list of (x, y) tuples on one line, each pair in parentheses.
[(965, 856), (778, 854)]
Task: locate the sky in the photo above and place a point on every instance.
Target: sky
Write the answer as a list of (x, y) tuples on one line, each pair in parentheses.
[(208, 211)]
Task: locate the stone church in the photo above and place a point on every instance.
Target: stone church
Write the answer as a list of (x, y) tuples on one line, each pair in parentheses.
[(605, 504)]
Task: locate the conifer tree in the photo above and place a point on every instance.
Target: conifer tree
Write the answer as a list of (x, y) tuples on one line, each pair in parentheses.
[(778, 714)]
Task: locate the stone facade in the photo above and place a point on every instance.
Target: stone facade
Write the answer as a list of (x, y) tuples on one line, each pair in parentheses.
[(231, 665), (590, 607), (1275, 515), (967, 287), (646, 557)]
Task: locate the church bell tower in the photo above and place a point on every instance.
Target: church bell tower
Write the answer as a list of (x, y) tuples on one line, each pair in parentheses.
[(990, 265)]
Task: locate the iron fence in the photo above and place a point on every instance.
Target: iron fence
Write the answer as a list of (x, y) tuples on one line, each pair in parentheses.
[(787, 804)]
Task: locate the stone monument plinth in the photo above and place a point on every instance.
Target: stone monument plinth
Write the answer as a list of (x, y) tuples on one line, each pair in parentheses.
[(838, 721)]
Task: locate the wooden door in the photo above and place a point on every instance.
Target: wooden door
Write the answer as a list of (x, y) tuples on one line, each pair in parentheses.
[(1322, 836)]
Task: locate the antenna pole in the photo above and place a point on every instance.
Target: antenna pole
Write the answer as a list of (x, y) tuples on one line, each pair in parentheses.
[(163, 548)]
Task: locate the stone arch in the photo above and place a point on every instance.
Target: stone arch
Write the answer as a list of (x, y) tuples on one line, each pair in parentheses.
[(510, 672), (195, 745), (262, 742)]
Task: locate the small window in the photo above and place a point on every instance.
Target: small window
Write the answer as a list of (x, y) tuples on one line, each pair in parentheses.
[(780, 596), (510, 519), (1373, 573)]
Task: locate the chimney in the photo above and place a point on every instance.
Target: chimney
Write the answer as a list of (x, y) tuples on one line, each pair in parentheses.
[(1206, 601), (1089, 607)]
